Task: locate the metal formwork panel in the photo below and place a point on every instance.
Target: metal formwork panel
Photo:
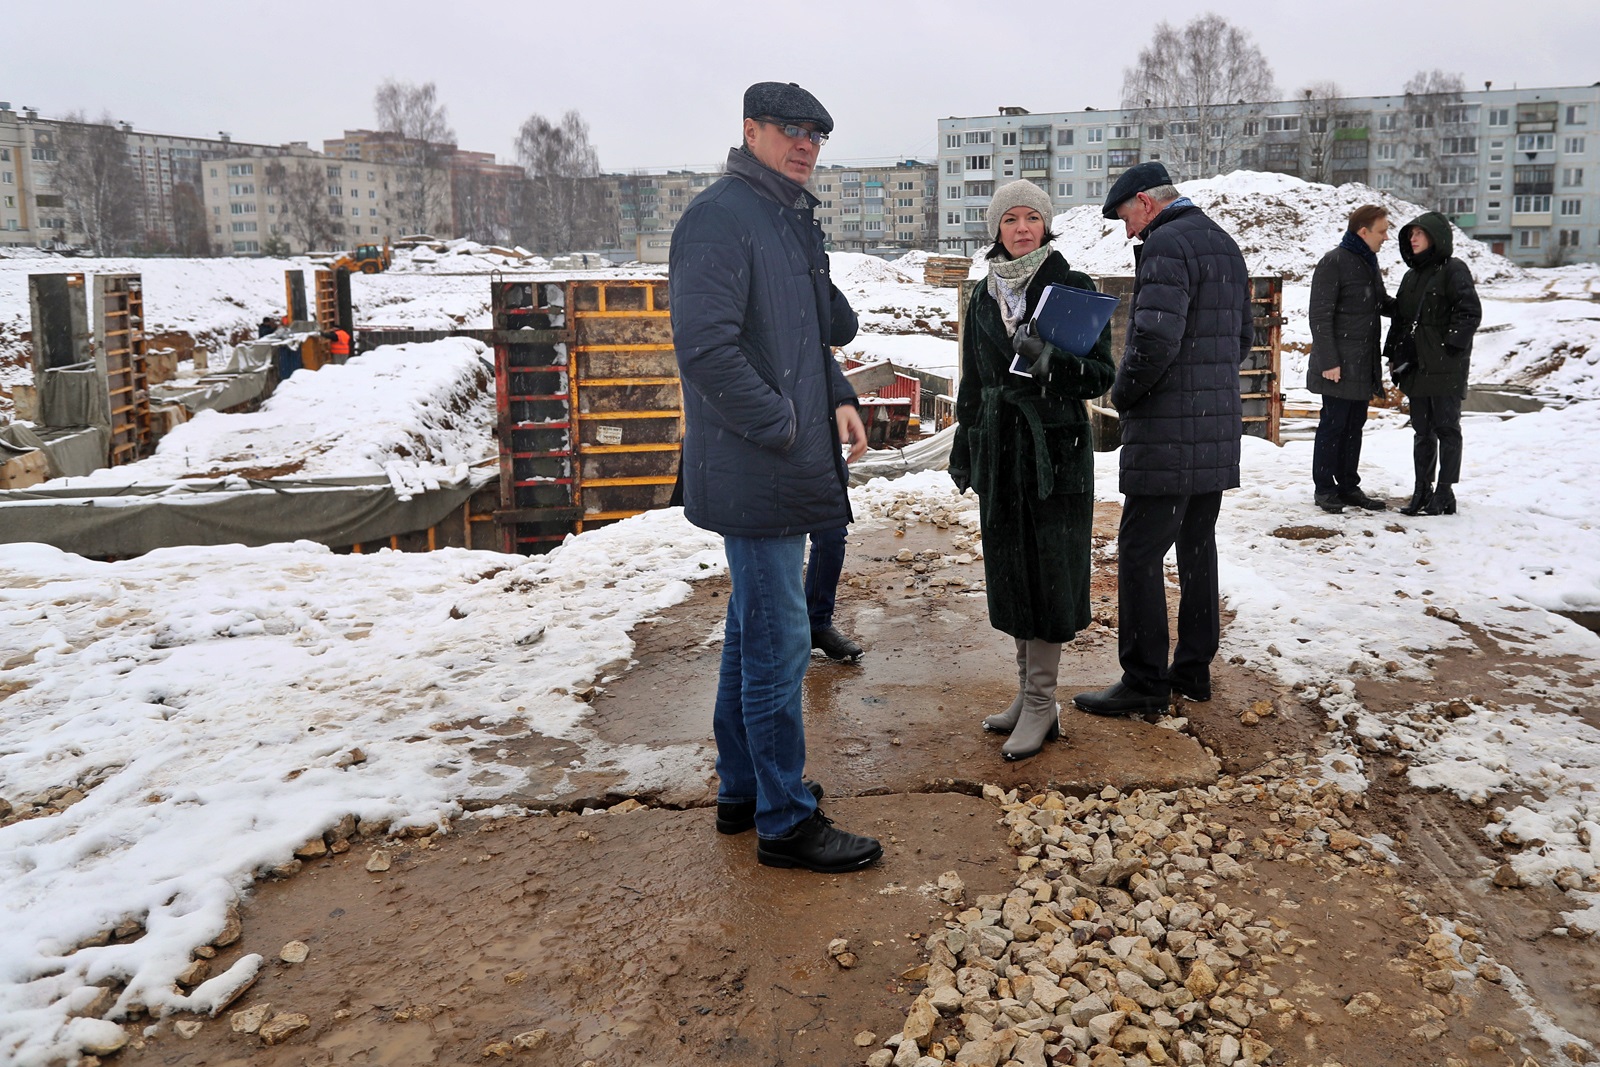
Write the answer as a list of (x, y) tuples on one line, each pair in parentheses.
[(590, 408), (1258, 373)]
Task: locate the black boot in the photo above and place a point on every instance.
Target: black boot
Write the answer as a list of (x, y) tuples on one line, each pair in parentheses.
[(1443, 502), (1420, 501)]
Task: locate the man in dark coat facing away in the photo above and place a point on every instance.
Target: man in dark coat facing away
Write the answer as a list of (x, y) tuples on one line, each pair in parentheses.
[(1177, 398), (766, 409), (1347, 298)]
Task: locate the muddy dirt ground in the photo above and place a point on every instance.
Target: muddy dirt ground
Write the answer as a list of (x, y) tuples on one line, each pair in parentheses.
[(644, 937)]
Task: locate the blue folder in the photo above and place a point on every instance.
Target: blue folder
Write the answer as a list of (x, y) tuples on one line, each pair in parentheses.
[(1071, 319)]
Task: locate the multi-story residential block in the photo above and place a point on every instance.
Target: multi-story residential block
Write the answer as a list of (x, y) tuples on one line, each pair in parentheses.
[(649, 205), (877, 207), (1514, 168), (167, 169)]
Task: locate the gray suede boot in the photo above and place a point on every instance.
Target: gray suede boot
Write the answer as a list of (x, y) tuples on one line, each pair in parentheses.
[(1006, 721), (1040, 720)]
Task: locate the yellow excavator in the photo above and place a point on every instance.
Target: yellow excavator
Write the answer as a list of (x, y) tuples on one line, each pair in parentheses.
[(366, 259)]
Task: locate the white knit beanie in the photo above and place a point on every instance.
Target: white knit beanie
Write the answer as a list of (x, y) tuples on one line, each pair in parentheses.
[(1021, 193)]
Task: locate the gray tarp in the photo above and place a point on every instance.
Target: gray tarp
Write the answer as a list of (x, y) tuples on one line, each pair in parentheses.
[(923, 454), (124, 521), (73, 452)]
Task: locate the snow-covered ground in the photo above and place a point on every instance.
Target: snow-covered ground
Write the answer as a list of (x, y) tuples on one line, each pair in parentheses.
[(208, 702)]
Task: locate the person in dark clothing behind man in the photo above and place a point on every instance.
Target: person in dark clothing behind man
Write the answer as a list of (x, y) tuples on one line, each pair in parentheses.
[(1429, 349), (766, 409), (822, 590), (1347, 298), (1177, 397)]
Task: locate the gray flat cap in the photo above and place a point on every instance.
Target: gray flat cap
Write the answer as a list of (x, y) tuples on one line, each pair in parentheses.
[(787, 101)]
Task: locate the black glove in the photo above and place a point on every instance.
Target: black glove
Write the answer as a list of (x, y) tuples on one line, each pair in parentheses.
[(1026, 343), (962, 478)]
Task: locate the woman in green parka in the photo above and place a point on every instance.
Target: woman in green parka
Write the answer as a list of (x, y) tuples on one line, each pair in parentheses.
[(1023, 443), (1429, 351)]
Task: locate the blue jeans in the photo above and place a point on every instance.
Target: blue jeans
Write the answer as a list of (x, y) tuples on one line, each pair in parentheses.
[(822, 575), (761, 740)]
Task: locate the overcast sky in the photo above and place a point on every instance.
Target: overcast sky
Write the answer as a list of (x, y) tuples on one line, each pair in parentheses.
[(660, 83)]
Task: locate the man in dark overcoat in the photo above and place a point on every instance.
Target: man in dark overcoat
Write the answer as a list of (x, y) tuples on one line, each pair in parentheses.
[(1178, 403), (1347, 300), (766, 410)]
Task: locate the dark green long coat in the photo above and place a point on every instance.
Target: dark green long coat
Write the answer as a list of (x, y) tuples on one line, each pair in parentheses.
[(1028, 452)]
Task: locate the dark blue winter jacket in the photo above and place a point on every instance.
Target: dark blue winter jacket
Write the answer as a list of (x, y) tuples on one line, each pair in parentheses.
[(753, 316), (1177, 389)]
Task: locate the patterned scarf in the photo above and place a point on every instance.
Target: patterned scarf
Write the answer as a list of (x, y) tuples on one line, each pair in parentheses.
[(1008, 284)]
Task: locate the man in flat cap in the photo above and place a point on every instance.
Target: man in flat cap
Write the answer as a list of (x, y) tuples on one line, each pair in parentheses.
[(1177, 397), (766, 411)]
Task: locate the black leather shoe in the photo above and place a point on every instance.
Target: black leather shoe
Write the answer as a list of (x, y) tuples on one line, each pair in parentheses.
[(818, 845), (1329, 502), (1443, 502), (740, 815), (1357, 499), (835, 645), (1420, 502), (1120, 699)]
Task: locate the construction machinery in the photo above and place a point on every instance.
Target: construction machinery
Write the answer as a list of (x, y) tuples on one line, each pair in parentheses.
[(366, 259)]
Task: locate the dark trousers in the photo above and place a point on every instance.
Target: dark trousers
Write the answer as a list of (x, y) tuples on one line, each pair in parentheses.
[(822, 575), (1436, 420), (1150, 526), (1336, 456)]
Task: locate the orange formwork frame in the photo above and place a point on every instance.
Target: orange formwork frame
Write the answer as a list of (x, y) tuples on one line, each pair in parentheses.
[(590, 410)]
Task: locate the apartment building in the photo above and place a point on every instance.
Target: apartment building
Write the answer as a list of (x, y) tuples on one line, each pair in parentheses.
[(878, 208), (257, 205), (648, 206), (1514, 168), (168, 169)]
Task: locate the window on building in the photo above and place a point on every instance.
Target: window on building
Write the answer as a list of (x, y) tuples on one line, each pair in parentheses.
[(1530, 205), (1458, 176), (1499, 116), (980, 188), (1252, 128), (1123, 133), (1572, 208), (43, 155), (980, 136), (239, 170), (980, 162), (1008, 137), (952, 140), (1384, 180), (1317, 124), (1535, 142), (1572, 177), (9, 201), (1094, 162), (1567, 238), (5, 155), (1388, 151), (952, 218), (1459, 114), (241, 189), (1096, 135), (1458, 205), (1577, 114), (1282, 123), (1573, 146), (1421, 181), (1155, 132), (1389, 122), (1064, 137), (952, 166), (6, 178), (1458, 146), (1283, 153), (1064, 164), (1094, 190), (1249, 158), (850, 194), (1421, 151), (1063, 189), (1422, 121), (1530, 238), (1122, 157)]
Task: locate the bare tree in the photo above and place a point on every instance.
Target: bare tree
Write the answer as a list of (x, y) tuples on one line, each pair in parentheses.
[(96, 182), (189, 224), (1430, 128), (566, 203), (1200, 82), (1320, 120), (422, 142), (309, 214)]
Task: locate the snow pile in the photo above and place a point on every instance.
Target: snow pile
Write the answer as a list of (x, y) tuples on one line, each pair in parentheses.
[(1283, 225), (1553, 347), (902, 320), (856, 269), (402, 409)]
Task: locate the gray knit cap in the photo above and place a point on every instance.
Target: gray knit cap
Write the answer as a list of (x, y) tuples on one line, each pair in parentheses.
[(1021, 193)]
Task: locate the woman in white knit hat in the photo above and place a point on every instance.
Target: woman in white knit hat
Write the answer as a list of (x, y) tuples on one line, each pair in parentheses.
[(1023, 444)]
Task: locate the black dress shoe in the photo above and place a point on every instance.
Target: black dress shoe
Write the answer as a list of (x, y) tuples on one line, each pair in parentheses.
[(835, 645), (1443, 502), (735, 817), (1357, 499), (1120, 699), (818, 845), (1329, 502)]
